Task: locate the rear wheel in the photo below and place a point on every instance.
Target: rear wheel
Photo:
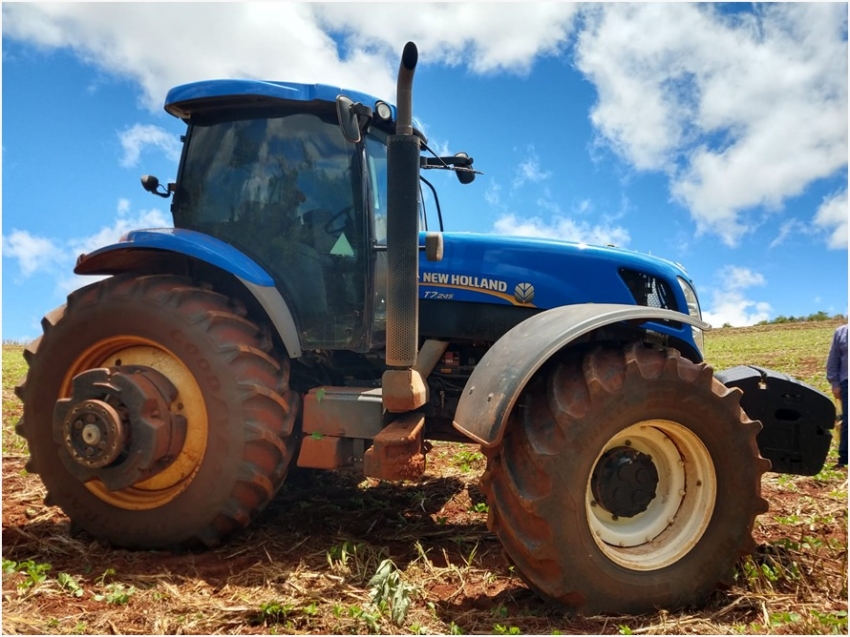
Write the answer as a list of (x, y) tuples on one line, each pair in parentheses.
[(155, 414), (628, 480)]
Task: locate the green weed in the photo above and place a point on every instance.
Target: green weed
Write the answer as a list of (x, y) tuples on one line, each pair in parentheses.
[(70, 584), (34, 573), (369, 619), (783, 618), (479, 507), (273, 612), (116, 593), (835, 623), (388, 588), (468, 460)]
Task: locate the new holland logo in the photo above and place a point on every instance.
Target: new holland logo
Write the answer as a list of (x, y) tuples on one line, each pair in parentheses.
[(524, 292)]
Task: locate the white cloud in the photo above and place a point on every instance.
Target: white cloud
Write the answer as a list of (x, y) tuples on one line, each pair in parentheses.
[(739, 112), (148, 43), (32, 253), (559, 227), (493, 194), (135, 139), (729, 303), (153, 218), (488, 37), (792, 226), (529, 170), (38, 255), (832, 217)]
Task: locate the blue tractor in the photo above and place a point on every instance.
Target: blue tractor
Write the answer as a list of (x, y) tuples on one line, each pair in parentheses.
[(288, 320)]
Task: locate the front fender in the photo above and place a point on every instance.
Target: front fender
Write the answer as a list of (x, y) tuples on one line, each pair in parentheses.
[(503, 372), (142, 249)]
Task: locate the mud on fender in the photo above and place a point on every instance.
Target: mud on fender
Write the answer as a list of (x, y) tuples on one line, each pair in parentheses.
[(796, 417)]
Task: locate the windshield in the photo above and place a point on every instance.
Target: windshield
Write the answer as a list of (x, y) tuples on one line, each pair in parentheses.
[(291, 164)]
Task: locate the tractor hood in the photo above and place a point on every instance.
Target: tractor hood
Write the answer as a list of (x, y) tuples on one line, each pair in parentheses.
[(541, 273)]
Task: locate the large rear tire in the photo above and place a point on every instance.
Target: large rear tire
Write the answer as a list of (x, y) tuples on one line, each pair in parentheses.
[(628, 480), (232, 401)]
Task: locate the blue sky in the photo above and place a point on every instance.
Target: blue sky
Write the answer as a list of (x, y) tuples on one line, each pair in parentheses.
[(711, 135)]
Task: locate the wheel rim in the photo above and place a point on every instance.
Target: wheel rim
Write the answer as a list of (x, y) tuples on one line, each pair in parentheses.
[(676, 518), (168, 484)]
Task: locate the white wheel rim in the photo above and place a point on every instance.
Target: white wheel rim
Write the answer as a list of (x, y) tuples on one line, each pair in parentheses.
[(677, 517)]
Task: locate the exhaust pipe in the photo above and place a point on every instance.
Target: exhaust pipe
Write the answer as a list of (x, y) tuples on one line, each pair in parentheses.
[(403, 223)]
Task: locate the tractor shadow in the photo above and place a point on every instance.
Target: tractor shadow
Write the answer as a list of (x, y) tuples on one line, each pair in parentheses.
[(331, 523)]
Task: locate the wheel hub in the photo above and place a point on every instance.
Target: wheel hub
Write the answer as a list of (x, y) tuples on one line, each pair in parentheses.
[(117, 426), (93, 433), (624, 481)]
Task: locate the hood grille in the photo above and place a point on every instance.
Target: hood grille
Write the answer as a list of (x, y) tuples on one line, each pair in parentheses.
[(648, 290)]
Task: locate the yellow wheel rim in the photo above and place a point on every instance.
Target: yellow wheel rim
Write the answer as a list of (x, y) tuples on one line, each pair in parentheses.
[(189, 403)]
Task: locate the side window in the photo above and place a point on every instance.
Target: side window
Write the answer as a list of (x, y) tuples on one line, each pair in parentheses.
[(376, 153)]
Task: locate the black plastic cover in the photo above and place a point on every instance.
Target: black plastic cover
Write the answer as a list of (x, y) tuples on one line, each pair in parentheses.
[(797, 418)]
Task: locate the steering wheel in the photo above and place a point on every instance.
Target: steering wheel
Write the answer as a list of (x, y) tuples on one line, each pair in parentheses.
[(337, 223)]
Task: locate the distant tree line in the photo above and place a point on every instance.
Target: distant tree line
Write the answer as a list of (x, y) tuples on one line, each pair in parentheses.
[(817, 316)]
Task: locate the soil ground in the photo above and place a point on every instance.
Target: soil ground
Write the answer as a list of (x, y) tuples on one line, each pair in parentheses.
[(305, 565)]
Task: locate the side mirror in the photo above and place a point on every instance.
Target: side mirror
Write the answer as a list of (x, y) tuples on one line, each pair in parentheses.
[(349, 114), (347, 120), (151, 184), (465, 174)]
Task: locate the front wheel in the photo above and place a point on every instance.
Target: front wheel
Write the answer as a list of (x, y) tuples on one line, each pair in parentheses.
[(155, 414), (628, 480)]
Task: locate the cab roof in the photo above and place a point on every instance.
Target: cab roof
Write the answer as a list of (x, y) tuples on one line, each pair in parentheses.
[(182, 101)]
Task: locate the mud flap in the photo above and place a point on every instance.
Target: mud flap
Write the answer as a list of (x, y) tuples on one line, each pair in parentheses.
[(797, 418)]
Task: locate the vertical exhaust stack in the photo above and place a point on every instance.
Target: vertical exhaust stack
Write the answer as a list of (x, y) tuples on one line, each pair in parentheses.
[(403, 388), (403, 223)]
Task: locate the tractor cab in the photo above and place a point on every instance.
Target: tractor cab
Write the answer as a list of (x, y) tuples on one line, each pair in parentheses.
[(277, 179), (295, 177)]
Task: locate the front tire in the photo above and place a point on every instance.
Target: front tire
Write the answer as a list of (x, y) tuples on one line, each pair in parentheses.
[(235, 412), (628, 480)]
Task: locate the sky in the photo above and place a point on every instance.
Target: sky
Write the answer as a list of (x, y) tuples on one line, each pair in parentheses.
[(713, 135)]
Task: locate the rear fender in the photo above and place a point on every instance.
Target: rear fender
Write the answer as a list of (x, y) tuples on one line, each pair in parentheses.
[(155, 250), (504, 371), (796, 418)]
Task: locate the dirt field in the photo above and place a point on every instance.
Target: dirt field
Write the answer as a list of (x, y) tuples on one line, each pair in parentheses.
[(305, 565)]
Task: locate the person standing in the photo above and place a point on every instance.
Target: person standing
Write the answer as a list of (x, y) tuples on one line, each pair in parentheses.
[(836, 374)]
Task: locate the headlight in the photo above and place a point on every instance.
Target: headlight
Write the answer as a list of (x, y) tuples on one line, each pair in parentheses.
[(693, 310)]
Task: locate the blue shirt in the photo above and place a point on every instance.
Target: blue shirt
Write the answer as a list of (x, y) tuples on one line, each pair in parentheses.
[(836, 363)]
